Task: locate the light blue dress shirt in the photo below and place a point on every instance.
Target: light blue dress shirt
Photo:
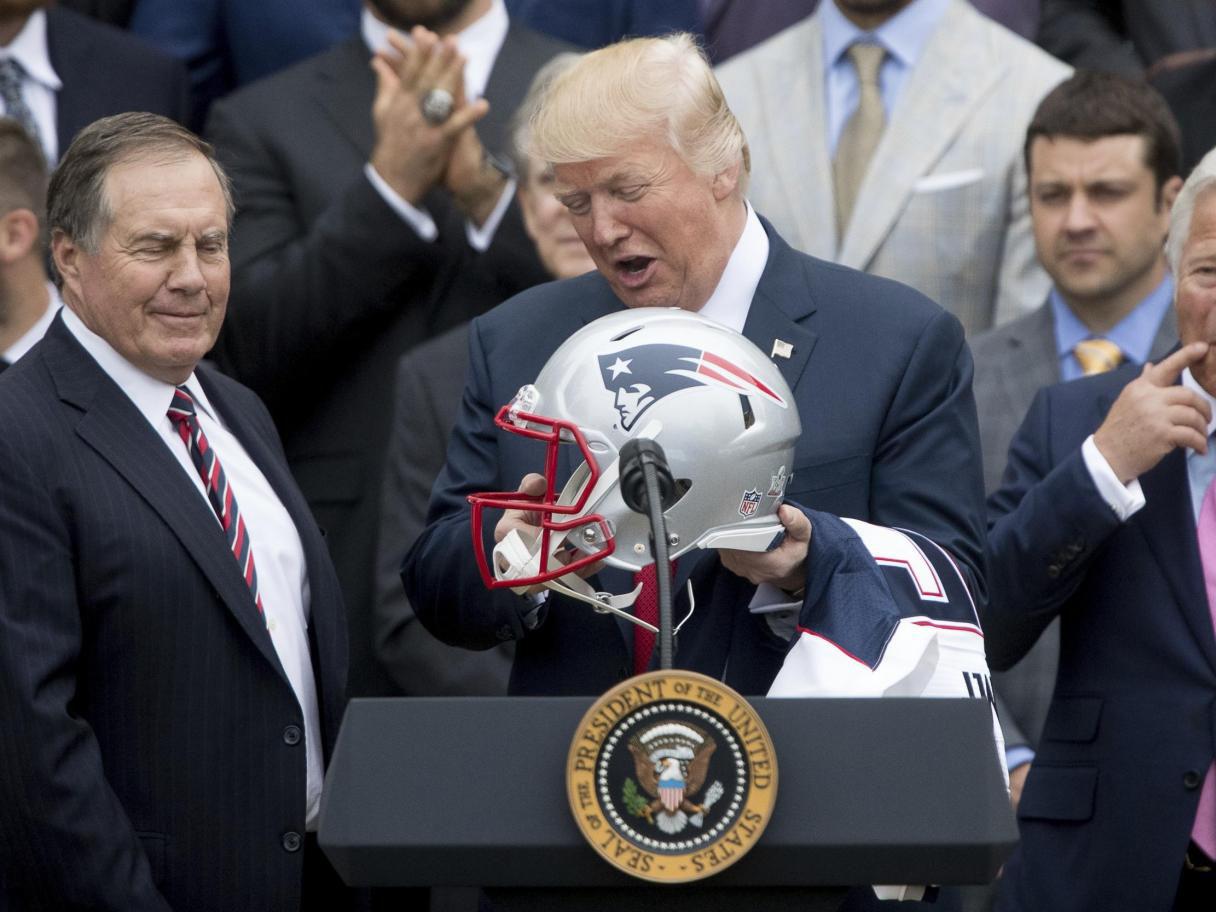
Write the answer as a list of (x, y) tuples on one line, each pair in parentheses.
[(904, 36), (1134, 334)]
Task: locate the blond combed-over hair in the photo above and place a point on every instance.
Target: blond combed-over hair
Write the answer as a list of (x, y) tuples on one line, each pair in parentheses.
[(643, 88)]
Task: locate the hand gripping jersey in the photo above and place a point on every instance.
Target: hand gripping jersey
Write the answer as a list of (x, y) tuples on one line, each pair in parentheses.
[(887, 614)]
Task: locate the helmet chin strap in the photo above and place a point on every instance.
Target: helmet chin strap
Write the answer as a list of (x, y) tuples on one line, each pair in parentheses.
[(515, 559)]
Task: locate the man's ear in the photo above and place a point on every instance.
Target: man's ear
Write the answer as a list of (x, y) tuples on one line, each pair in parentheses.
[(726, 181), (18, 235), (1169, 191), (67, 256)]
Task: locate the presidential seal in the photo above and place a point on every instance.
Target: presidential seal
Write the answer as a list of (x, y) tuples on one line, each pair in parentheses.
[(671, 776)]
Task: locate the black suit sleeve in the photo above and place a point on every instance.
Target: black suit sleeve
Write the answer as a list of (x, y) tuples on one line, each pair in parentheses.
[(65, 839), (306, 291), (302, 290)]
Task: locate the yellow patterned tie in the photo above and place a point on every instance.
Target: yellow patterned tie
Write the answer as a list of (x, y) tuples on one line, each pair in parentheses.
[(861, 132), (1097, 356)]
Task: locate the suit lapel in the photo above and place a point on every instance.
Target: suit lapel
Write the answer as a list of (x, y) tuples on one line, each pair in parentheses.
[(71, 56), (781, 303), (1166, 339), (345, 88), (952, 75), (509, 80), (115, 429), (1031, 363), (798, 136), (1168, 525)]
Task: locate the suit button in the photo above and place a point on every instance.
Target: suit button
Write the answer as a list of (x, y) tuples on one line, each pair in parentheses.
[(291, 735), (1191, 779), (1053, 571), (504, 633), (292, 841)]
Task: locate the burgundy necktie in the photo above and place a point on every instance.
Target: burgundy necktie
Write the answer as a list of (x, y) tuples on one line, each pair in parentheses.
[(215, 482), (646, 608), (1204, 830)]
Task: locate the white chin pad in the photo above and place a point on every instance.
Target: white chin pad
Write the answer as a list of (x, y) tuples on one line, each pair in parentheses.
[(751, 538), (514, 558)]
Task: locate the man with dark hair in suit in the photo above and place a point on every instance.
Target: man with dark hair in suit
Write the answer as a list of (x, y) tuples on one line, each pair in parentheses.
[(60, 70), (1102, 156), (28, 301), (363, 229), (1106, 519), (172, 640)]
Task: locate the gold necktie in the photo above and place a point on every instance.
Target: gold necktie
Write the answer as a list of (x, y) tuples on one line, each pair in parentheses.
[(861, 132), (1097, 356)]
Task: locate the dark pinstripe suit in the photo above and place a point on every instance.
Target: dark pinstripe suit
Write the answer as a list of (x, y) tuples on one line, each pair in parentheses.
[(149, 753)]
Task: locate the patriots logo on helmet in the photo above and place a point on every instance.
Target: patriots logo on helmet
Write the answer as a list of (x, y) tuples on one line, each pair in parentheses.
[(642, 375)]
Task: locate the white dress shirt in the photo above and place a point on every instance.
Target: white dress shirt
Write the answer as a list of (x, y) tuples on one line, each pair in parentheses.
[(480, 44), (41, 84), (277, 550), (732, 298)]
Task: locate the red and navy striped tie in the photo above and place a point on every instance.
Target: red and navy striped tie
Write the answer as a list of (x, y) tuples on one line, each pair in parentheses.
[(223, 501)]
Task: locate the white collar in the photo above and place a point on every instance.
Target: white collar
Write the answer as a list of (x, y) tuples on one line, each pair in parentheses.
[(30, 50), (151, 396), (1189, 381), (31, 336), (480, 43), (732, 299)]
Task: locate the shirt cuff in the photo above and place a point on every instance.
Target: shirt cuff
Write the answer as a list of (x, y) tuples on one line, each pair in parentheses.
[(480, 238), (1125, 500), (418, 219), (768, 599), (1017, 756)]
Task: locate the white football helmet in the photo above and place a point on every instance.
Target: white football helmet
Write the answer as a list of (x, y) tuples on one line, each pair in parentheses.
[(718, 407)]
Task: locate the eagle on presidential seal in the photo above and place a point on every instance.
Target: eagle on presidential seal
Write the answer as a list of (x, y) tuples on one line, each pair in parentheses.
[(671, 761)]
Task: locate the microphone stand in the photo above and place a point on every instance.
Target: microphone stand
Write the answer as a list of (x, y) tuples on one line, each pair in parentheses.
[(656, 493)]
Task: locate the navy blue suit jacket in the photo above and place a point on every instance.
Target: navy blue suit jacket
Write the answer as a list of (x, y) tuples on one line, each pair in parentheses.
[(106, 71), (1107, 810), (882, 378), (151, 755)]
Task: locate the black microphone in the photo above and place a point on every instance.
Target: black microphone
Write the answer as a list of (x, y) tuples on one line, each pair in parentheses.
[(636, 453)]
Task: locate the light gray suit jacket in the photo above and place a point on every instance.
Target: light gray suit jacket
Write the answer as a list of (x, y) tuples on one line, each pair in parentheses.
[(943, 205), (1012, 363)]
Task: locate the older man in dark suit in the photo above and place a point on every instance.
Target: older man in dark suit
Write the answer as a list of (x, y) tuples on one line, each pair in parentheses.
[(364, 229), (1106, 519), (172, 641)]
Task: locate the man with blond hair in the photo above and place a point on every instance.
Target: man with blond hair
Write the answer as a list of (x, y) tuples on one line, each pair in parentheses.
[(653, 166), (1106, 519)]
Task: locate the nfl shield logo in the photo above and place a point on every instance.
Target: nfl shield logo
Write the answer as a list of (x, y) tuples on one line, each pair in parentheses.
[(751, 500)]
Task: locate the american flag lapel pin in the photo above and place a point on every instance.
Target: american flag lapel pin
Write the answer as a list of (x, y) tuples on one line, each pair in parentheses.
[(781, 349)]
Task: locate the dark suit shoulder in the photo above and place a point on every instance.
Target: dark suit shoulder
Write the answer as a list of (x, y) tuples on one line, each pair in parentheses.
[(537, 45), (836, 286), (565, 303), (451, 344), (269, 92), (993, 342), (69, 34)]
